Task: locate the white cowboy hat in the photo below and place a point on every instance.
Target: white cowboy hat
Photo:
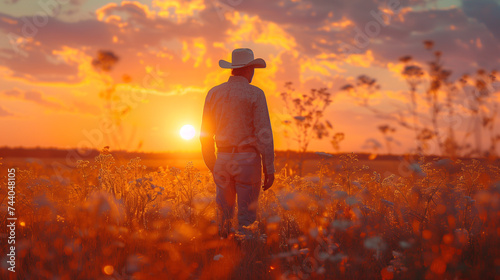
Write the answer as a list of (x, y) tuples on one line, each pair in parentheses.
[(242, 58)]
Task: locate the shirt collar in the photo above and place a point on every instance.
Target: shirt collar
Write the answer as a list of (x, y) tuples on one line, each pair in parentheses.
[(240, 79)]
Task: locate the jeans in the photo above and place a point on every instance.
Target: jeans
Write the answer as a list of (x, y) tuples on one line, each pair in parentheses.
[(237, 175)]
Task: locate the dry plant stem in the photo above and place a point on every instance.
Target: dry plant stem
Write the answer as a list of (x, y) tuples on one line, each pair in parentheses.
[(414, 114), (307, 120)]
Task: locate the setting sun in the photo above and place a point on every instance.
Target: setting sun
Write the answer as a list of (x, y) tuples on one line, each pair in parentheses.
[(187, 132)]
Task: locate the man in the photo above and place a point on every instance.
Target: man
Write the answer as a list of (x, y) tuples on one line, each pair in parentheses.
[(236, 114)]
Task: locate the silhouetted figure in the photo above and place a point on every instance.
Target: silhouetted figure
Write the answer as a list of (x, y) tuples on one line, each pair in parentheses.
[(236, 114)]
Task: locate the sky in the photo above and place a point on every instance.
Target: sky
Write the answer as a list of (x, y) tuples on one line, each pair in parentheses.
[(51, 94)]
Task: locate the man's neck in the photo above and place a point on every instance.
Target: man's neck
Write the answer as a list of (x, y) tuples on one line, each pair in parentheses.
[(246, 78)]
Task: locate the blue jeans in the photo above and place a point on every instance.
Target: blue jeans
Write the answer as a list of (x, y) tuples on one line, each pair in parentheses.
[(237, 175)]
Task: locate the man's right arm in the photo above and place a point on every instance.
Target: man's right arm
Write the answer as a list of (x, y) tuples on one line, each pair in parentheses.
[(265, 143), (207, 133), (264, 133)]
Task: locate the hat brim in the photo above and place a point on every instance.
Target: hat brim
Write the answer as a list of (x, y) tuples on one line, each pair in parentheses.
[(256, 63)]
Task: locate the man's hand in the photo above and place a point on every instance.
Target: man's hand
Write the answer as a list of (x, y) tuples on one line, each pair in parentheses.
[(268, 181)]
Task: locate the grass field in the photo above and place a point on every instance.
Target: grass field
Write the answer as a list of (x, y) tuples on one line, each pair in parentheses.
[(150, 218)]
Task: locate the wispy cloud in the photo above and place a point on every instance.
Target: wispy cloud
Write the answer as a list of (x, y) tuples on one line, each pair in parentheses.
[(486, 12), (187, 35), (34, 96), (5, 113), (51, 103)]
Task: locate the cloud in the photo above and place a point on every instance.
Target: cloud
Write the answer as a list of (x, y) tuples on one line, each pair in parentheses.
[(40, 66), (187, 39), (13, 93), (321, 28), (5, 113), (316, 26), (138, 35), (486, 12), (466, 45), (85, 107), (34, 96), (131, 28), (38, 97), (129, 10), (179, 10)]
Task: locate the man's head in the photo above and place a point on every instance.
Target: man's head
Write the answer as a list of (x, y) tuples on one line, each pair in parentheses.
[(243, 63), (246, 72)]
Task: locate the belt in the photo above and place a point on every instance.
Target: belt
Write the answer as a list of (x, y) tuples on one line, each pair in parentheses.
[(237, 149)]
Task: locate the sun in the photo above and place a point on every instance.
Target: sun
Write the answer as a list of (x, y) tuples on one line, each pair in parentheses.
[(187, 132)]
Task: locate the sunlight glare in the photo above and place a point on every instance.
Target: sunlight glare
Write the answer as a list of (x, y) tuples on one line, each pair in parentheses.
[(187, 132)]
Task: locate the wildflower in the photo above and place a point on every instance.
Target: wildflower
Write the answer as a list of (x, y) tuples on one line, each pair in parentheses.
[(294, 200), (405, 245), (281, 255), (366, 208), (338, 257), (347, 87), (133, 264), (470, 200), (388, 203), (274, 219), (405, 58), (165, 211), (254, 227), (462, 235), (428, 44), (312, 179), (396, 254), (304, 251), (375, 243), (263, 238), (372, 144), (340, 194), (415, 167), (314, 232), (341, 224), (351, 200), (413, 71), (41, 201), (357, 184), (175, 171), (389, 180)]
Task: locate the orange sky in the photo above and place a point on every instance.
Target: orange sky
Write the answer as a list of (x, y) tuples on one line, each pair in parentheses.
[(49, 90)]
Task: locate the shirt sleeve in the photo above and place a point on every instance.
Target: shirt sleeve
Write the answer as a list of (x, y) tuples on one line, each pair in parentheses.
[(207, 133), (264, 133)]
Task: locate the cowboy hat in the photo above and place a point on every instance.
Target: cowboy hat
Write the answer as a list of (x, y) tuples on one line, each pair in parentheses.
[(242, 58)]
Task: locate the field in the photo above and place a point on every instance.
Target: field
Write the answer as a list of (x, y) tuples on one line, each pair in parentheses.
[(348, 217)]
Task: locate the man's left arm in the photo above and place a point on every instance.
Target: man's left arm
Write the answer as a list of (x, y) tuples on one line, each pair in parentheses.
[(207, 134)]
